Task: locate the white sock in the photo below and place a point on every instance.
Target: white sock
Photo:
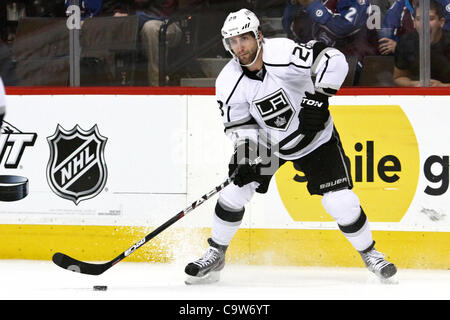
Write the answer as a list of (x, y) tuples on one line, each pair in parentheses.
[(344, 207), (223, 231)]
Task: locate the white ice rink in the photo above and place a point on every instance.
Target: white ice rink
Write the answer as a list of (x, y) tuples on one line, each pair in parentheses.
[(43, 280)]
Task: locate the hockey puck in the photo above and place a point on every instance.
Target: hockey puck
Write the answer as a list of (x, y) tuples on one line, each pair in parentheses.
[(13, 188), (100, 288)]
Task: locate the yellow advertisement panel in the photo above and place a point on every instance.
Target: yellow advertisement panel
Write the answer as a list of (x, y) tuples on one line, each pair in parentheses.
[(385, 165)]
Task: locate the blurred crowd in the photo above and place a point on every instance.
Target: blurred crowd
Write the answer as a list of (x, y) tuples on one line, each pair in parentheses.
[(379, 37)]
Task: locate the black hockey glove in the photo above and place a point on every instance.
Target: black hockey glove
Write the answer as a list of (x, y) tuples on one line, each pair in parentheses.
[(314, 113), (242, 162)]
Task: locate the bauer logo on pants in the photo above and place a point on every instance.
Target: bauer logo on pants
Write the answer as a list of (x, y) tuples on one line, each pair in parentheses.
[(76, 169)]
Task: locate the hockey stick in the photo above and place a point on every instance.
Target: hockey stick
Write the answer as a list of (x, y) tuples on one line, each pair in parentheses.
[(64, 261), (69, 263)]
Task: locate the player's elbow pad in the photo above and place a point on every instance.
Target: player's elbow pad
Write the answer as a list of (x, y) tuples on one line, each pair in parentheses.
[(330, 72)]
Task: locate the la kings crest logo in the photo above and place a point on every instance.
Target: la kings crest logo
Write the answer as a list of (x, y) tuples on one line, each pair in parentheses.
[(276, 111), (77, 169)]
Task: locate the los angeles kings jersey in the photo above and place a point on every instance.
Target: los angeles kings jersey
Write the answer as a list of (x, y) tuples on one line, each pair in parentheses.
[(265, 106)]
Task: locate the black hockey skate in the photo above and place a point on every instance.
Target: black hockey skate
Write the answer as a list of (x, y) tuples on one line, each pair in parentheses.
[(376, 263), (207, 268)]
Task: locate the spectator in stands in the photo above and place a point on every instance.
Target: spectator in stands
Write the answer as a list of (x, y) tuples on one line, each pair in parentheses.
[(152, 14), (383, 6), (400, 20), (337, 23), (45, 8), (407, 66), (89, 8), (111, 7), (296, 22), (14, 11)]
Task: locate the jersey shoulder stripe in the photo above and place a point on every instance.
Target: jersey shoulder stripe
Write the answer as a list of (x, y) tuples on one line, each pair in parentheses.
[(278, 52), (228, 80), (286, 65), (230, 94), (246, 123), (285, 53), (234, 88)]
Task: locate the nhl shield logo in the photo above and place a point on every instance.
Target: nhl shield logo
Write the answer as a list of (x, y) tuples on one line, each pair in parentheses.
[(76, 169)]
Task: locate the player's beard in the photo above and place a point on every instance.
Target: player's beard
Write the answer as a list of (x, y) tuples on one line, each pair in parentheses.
[(249, 57)]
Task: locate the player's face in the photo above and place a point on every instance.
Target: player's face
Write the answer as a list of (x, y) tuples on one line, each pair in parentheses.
[(244, 47)]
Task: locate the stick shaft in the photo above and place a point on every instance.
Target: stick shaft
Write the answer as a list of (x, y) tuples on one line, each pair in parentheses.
[(66, 262), (174, 219)]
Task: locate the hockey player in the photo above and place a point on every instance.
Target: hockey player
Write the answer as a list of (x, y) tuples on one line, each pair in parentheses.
[(267, 97), (2, 102)]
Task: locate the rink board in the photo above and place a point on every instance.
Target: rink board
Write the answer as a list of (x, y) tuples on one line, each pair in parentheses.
[(407, 249), (163, 151)]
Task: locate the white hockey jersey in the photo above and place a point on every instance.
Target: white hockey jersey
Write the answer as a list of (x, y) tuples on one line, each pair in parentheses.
[(266, 106), (2, 98)]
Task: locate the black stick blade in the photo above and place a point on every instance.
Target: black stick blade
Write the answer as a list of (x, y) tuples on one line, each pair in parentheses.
[(66, 262)]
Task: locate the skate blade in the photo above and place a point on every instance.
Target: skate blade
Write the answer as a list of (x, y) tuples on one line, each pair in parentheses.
[(212, 277)]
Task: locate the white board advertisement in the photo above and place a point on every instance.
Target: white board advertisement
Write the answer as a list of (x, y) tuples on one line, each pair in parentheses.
[(138, 160)]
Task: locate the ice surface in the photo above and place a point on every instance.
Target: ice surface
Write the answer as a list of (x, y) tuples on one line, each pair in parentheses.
[(24, 279)]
